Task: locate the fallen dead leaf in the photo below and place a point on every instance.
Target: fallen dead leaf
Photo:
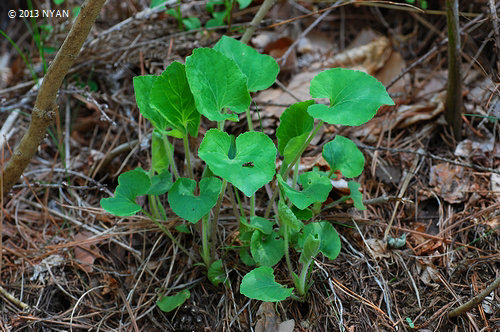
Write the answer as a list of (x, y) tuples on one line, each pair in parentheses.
[(86, 253), (110, 284), (268, 321), (377, 248), (369, 57), (468, 147), (450, 182), (317, 42), (392, 68), (278, 48), (429, 275)]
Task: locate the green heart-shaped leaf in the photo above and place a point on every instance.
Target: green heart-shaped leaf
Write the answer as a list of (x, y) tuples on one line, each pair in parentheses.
[(259, 284), (354, 96), (330, 241), (294, 122), (261, 70), (267, 249), (343, 155), (216, 83), (253, 164), (188, 206), (130, 185), (142, 88), (171, 97), (315, 189)]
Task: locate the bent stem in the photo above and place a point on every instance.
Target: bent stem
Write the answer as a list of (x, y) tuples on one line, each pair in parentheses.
[(301, 283)]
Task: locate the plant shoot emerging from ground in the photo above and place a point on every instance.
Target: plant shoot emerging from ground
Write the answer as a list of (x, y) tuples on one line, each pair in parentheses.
[(217, 83)]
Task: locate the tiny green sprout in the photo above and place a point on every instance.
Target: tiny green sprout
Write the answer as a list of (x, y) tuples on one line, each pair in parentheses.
[(410, 323), (169, 303), (396, 243)]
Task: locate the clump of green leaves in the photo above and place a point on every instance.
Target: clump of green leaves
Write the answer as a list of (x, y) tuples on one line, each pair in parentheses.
[(219, 17), (217, 83)]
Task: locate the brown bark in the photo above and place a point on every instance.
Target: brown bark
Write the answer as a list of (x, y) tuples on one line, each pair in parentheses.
[(453, 112), (45, 107)]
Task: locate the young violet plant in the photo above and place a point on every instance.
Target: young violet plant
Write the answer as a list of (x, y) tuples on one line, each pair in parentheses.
[(225, 15), (218, 17), (217, 83)]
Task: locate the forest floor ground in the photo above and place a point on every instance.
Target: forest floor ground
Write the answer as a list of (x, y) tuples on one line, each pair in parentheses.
[(79, 268)]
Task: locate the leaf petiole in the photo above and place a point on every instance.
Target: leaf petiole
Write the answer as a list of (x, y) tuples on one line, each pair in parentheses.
[(187, 153), (250, 128), (205, 245), (213, 229), (170, 156)]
